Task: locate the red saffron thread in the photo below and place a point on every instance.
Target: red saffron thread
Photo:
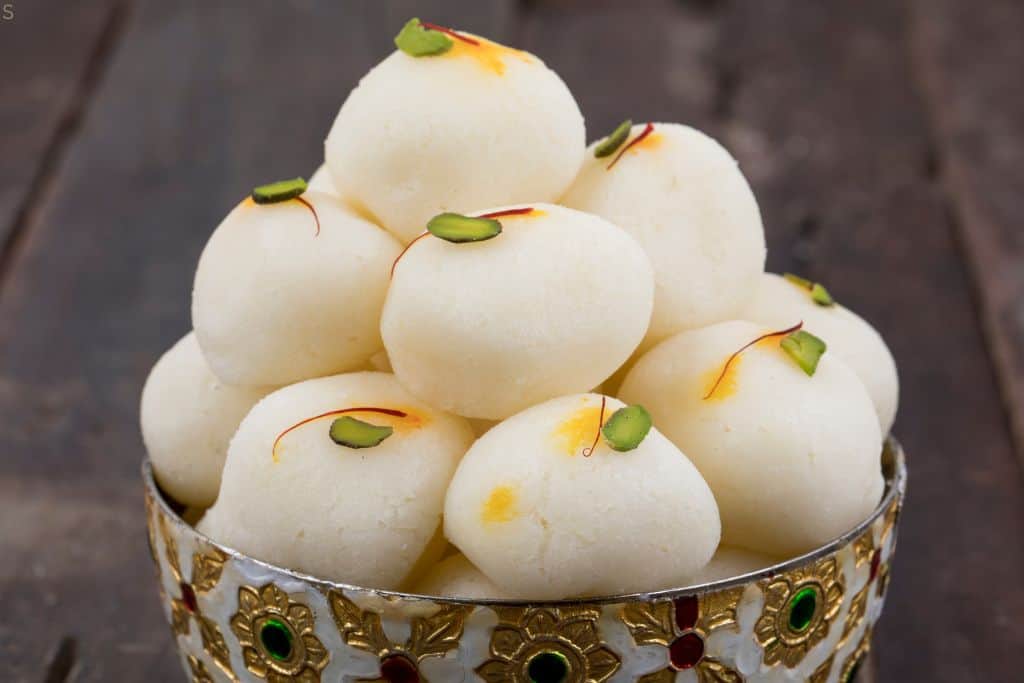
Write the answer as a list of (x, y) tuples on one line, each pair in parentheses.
[(587, 452), (453, 34), (648, 129), (331, 413), (407, 247), (728, 362), (309, 206), (507, 212)]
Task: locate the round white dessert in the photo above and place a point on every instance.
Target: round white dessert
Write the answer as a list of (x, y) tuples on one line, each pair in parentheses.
[(777, 302), (729, 562), (321, 181), (188, 417), (476, 126), (275, 302), (361, 516), (457, 577), (684, 198), (794, 460), (543, 520), (551, 306)]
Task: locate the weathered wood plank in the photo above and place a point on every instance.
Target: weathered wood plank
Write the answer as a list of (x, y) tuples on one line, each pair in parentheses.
[(52, 53), (827, 125), (968, 60), (202, 101)]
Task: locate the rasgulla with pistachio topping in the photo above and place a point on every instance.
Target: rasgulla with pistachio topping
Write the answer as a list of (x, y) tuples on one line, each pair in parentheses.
[(357, 515), (479, 125), (682, 195), (544, 521), (793, 459), (550, 306), (851, 338), (276, 302), (188, 417)]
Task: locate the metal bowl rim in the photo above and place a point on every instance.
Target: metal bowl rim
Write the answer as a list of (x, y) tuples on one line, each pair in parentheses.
[(895, 487)]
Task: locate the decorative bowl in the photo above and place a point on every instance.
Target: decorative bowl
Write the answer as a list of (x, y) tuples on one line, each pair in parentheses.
[(235, 618)]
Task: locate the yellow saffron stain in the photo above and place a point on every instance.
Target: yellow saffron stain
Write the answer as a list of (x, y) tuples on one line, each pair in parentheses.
[(500, 506), (652, 141), (578, 430), (413, 420), (489, 55), (728, 384)]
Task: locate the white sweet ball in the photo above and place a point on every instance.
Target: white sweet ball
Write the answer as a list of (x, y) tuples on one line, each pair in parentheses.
[(362, 516), (476, 126), (551, 306), (684, 198), (457, 577), (730, 561), (321, 181), (778, 302), (543, 521), (794, 460), (188, 417), (275, 303)]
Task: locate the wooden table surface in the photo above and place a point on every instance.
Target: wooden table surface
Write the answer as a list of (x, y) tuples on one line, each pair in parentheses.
[(884, 140)]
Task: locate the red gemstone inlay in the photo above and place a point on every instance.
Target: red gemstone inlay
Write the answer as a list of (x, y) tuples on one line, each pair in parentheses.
[(876, 560), (687, 611), (398, 669), (188, 596), (686, 651)]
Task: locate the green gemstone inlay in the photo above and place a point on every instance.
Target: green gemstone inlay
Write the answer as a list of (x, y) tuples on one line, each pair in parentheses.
[(277, 639), (802, 607), (548, 667)]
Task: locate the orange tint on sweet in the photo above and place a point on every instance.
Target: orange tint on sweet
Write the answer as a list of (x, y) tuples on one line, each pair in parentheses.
[(491, 56), (577, 431), (412, 421), (500, 506), (652, 141), (729, 383)]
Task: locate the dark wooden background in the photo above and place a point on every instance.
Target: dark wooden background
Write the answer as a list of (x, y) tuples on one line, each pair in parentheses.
[(884, 139)]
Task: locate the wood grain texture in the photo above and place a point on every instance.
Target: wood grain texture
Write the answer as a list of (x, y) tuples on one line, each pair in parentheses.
[(827, 124), (969, 66), (202, 102), (51, 54)]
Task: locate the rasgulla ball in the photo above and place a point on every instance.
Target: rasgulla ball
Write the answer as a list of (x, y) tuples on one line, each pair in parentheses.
[(778, 301), (544, 521), (275, 302), (730, 561), (321, 181), (684, 198), (550, 306), (188, 417), (358, 515), (456, 577), (479, 125), (794, 460)]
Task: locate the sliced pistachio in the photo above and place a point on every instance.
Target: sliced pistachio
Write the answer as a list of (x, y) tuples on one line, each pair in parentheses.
[(627, 427), (281, 191), (820, 295), (798, 281), (454, 227), (417, 40), (352, 433), (805, 349), (611, 143)]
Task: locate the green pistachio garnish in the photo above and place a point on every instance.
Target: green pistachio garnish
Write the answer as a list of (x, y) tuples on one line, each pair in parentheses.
[(820, 295), (627, 427), (611, 143), (352, 433), (281, 191), (417, 40), (804, 348), (454, 227), (798, 281)]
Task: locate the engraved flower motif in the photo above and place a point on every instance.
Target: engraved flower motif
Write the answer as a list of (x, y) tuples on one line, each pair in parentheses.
[(537, 645), (683, 626), (799, 607), (277, 636), (198, 670)]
